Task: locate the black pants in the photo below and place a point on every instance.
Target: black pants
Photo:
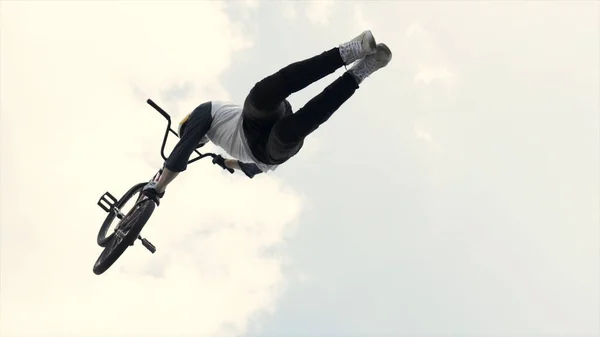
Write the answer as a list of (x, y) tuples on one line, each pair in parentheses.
[(274, 133)]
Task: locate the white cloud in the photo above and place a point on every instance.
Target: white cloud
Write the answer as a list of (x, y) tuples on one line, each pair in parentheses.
[(428, 74), (250, 4), (437, 161), (319, 12), (312, 146), (428, 60), (72, 127), (290, 13), (359, 18), (422, 134)]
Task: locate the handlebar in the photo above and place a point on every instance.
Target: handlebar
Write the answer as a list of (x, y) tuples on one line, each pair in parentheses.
[(159, 109), (169, 129)]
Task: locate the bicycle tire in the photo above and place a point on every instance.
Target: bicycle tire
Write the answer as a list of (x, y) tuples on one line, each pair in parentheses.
[(109, 256), (102, 239)]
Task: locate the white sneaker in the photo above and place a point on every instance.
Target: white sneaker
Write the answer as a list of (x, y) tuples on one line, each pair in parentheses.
[(371, 63), (357, 48), (149, 190)]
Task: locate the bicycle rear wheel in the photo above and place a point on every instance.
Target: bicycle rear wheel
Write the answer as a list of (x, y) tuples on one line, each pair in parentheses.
[(127, 232)]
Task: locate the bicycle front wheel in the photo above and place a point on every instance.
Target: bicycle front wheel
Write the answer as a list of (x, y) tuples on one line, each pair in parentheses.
[(128, 231)]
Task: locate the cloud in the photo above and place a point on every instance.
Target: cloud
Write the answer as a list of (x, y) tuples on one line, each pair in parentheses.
[(427, 59), (359, 18), (422, 134), (74, 77), (250, 4), (427, 75), (290, 13), (319, 12), (313, 145)]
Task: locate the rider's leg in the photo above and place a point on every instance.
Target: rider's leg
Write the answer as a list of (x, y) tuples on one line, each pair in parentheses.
[(291, 130), (266, 103), (196, 127), (315, 112), (267, 96)]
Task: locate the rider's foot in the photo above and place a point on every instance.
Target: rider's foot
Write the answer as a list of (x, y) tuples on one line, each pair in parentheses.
[(357, 48), (371, 63), (150, 191)]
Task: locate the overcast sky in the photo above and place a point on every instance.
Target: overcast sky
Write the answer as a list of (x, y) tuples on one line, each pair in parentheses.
[(456, 193)]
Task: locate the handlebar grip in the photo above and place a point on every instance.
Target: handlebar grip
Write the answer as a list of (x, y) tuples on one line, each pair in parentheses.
[(215, 156), (226, 168), (159, 109)]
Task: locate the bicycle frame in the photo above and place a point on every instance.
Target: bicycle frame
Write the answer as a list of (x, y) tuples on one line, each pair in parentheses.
[(108, 203), (168, 118)]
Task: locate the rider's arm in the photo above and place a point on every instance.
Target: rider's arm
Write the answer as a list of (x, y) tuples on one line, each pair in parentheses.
[(249, 169)]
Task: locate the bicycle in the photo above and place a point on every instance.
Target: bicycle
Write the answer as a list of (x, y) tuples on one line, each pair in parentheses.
[(130, 225)]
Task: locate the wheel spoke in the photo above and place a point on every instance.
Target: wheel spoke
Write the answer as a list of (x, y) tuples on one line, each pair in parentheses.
[(130, 223), (115, 241), (134, 217), (127, 219), (126, 224), (108, 249)]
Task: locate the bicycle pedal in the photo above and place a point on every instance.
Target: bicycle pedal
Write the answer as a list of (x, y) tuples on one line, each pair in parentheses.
[(107, 201), (148, 245)]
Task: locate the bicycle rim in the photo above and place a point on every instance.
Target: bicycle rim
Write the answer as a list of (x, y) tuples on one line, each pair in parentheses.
[(121, 239)]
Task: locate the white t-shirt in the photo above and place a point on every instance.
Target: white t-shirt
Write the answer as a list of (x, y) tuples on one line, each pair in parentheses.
[(227, 133)]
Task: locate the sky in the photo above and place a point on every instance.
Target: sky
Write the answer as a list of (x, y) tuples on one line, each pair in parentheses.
[(457, 193)]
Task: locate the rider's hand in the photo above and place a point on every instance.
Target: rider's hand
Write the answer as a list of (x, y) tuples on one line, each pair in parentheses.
[(221, 162), (249, 169)]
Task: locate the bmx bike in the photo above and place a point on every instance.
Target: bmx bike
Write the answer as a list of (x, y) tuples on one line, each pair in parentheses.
[(131, 223)]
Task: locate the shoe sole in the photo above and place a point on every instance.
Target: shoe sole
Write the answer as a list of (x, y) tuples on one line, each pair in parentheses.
[(386, 51), (372, 42)]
